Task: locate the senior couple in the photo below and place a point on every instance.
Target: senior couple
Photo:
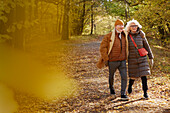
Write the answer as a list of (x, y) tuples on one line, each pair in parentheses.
[(119, 46)]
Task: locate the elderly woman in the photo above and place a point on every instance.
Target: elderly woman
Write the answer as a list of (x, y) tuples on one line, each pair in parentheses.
[(137, 65)]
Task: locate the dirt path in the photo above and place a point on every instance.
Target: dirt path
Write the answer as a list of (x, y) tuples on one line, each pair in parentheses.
[(93, 93)]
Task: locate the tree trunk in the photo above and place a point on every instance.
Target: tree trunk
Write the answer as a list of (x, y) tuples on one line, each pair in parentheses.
[(20, 18), (36, 9), (83, 16), (161, 31), (60, 25), (92, 23), (128, 12), (168, 25), (65, 29), (57, 22), (126, 15)]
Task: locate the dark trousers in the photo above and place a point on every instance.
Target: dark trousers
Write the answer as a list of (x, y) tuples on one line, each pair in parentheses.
[(144, 83), (121, 66)]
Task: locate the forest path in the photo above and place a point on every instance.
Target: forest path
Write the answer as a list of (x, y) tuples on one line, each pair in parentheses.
[(93, 92)]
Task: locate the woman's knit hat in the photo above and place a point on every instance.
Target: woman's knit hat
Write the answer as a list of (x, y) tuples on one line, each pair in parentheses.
[(119, 22)]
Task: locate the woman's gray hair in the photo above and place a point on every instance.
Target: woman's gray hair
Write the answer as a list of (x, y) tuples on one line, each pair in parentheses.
[(127, 28)]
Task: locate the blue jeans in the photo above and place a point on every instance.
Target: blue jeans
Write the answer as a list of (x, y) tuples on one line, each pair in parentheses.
[(121, 66)]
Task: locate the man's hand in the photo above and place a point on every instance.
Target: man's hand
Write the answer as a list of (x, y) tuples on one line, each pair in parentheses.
[(151, 62), (106, 63)]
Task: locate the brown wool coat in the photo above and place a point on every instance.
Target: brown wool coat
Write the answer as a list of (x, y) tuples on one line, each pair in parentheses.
[(138, 66), (118, 51), (105, 48)]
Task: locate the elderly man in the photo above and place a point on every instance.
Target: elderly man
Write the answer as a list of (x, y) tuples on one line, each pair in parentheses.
[(113, 51)]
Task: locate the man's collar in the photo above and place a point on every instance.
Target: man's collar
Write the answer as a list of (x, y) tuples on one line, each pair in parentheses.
[(117, 31)]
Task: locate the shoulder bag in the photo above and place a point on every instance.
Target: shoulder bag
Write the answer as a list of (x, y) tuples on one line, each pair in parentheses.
[(142, 51)]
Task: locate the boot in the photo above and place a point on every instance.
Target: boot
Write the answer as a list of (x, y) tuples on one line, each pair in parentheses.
[(130, 86), (124, 97), (112, 91), (146, 95), (130, 89)]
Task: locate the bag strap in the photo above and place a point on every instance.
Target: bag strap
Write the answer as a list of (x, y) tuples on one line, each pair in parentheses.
[(133, 41)]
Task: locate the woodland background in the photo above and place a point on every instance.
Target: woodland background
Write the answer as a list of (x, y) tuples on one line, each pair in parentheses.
[(26, 21)]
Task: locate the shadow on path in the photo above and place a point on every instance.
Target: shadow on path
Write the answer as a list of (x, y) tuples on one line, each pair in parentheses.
[(126, 102)]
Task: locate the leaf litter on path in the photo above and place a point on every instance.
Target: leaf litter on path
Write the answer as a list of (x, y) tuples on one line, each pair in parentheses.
[(93, 93)]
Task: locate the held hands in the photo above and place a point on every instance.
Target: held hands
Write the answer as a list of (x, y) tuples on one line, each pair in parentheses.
[(151, 62), (106, 63)]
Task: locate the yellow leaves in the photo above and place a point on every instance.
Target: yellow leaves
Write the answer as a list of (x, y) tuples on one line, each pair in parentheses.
[(19, 26), (97, 104), (162, 83), (162, 105), (120, 107), (163, 96), (93, 104), (151, 101), (11, 29), (153, 15), (127, 105), (112, 111), (5, 37), (64, 104), (4, 19)]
